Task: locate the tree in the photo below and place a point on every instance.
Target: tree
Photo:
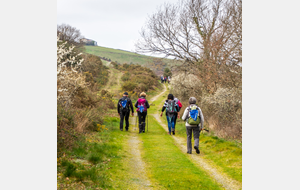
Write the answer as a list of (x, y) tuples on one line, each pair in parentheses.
[(70, 34), (167, 72), (205, 34), (69, 77)]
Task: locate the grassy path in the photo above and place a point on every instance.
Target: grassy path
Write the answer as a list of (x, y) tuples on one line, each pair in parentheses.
[(117, 159), (114, 84), (221, 177)]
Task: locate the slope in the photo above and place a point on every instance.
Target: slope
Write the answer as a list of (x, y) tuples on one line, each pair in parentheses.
[(121, 56)]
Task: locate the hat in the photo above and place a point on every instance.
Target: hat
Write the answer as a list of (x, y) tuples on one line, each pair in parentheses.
[(192, 100), (126, 93), (143, 94)]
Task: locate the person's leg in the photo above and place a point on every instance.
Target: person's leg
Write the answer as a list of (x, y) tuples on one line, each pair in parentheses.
[(121, 120), (169, 124), (144, 121), (175, 119), (196, 132), (140, 121), (126, 120), (189, 139), (173, 124)]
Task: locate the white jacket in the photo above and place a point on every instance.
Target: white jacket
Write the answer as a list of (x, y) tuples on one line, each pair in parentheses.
[(186, 115)]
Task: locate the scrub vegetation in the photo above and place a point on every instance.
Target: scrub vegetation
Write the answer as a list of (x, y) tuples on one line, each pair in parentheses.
[(120, 57)]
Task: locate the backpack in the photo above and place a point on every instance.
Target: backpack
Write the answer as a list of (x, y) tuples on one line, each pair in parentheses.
[(171, 109), (194, 115), (124, 104), (141, 105), (178, 103)]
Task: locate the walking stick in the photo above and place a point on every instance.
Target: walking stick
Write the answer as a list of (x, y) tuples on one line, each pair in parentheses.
[(147, 123)]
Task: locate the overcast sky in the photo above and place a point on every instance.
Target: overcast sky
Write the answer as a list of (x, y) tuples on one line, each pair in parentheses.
[(112, 23)]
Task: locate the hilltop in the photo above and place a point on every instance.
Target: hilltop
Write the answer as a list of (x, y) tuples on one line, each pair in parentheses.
[(121, 56)]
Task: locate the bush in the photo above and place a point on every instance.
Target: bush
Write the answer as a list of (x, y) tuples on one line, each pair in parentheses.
[(128, 86), (138, 79), (222, 110)]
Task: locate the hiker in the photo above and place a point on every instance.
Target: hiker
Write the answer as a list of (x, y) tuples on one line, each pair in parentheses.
[(179, 106), (124, 111), (171, 109), (142, 105), (162, 79), (194, 123), (169, 79), (165, 79)]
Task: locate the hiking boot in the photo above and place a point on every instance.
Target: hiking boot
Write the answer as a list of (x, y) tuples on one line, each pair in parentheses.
[(126, 129), (121, 129), (173, 132), (189, 153), (197, 150)]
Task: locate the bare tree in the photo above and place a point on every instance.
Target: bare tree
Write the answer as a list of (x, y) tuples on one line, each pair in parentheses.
[(69, 33), (206, 34)]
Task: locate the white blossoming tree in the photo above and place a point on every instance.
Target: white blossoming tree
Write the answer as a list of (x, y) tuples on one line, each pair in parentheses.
[(69, 77)]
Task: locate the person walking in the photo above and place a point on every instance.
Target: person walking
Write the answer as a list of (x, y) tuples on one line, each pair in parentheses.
[(194, 123), (123, 110), (142, 105), (162, 79), (171, 109)]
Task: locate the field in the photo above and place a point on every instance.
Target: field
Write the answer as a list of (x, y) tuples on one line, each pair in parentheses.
[(121, 56)]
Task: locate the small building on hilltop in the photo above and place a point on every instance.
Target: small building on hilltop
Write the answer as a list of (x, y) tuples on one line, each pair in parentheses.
[(88, 42)]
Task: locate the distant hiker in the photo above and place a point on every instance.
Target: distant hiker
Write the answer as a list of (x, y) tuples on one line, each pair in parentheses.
[(194, 123), (171, 110), (124, 111), (165, 79), (142, 105), (169, 79), (176, 114), (162, 79)]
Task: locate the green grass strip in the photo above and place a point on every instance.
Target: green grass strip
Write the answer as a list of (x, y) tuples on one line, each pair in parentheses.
[(168, 165), (225, 155)]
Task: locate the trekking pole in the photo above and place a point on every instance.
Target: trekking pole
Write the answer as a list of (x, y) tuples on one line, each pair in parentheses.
[(147, 123)]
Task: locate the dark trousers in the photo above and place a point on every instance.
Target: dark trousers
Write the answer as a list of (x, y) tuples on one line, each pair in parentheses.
[(142, 119), (122, 115), (176, 115)]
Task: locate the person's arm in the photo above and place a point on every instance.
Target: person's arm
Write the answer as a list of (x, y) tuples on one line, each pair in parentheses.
[(185, 114), (178, 109), (202, 119), (136, 104), (131, 107), (118, 107), (163, 109), (147, 104)]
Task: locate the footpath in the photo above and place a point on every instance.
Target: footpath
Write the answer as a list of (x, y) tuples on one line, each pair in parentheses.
[(220, 177)]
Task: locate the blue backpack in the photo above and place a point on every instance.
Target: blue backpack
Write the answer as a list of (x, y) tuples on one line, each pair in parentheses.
[(194, 118), (123, 104)]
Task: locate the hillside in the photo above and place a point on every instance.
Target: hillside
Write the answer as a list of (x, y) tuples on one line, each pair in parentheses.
[(121, 56)]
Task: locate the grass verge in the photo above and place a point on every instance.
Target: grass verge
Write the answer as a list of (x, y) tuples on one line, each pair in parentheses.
[(96, 161), (167, 165)]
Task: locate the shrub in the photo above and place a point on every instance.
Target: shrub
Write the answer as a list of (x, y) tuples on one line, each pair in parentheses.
[(128, 86)]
